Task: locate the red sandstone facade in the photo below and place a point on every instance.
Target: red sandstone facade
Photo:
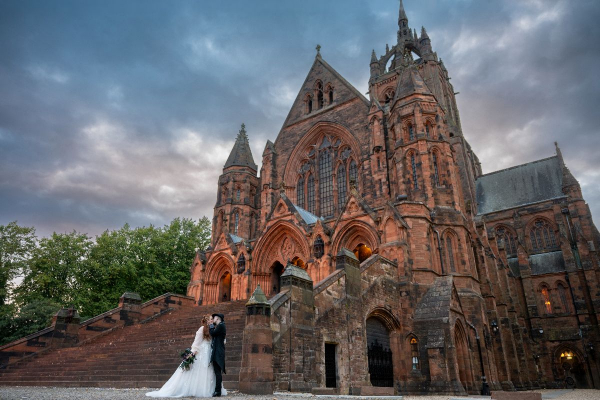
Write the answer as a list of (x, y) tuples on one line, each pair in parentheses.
[(388, 259)]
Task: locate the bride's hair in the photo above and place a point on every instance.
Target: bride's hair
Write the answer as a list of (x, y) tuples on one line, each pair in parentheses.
[(205, 321)]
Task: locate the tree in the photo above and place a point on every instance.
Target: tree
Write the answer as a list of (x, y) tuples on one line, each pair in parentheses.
[(16, 244)]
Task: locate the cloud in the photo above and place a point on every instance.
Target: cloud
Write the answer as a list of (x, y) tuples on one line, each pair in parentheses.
[(119, 112)]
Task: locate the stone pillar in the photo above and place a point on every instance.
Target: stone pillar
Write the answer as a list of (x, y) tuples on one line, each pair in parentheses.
[(131, 308), (256, 374), (66, 328), (300, 339)]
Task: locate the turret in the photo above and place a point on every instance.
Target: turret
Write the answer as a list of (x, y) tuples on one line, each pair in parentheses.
[(374, 66), (404, 32)]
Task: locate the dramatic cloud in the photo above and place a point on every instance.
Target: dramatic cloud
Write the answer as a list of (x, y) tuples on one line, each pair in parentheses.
[(114, 112)]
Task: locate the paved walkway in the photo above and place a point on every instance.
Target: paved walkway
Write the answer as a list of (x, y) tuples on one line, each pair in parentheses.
[(44, 393)]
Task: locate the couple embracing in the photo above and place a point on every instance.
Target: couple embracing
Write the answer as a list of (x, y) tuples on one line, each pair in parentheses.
[(204, 378)]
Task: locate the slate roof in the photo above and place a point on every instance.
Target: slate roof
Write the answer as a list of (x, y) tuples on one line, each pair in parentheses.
[(292, 270), (410, 82), (240, 155), (436, 302), (307, 216), (524, 184), (235, 239)]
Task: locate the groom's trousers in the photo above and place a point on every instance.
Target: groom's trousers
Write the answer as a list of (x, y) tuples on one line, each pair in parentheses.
[(219, 376)]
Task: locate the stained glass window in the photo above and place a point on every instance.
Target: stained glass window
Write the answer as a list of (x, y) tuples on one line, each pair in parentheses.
[(311, 193), (341, 185), (414, 352), (300, 193), (325, 184)]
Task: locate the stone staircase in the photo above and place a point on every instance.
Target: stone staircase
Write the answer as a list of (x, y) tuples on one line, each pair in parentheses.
[(141, 355)]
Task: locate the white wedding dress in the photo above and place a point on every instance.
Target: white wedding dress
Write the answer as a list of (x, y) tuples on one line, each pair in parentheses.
[(198, 381)]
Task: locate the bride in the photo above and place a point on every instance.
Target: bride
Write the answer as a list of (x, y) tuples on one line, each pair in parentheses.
[(200, 379)]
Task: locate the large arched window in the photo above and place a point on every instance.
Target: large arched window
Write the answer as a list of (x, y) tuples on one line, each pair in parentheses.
[(300, 192), (310, 191), (507, 238), (341, 186), (542, 236), (546, 299), (325, 184)]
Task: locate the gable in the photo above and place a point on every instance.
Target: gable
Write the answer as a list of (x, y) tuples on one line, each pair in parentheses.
[(321, 70)]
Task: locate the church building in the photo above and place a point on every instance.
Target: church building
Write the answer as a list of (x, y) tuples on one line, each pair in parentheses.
[(379, 256)]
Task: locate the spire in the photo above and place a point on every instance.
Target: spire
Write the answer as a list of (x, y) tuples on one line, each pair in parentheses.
[(373, 56), (415, 34), (424, 34), (241, 156), (402, 15)]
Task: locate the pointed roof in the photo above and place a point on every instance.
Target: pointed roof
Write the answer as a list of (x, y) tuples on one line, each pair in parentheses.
[(410, 82), (424, 34), (402, 13), (241, 156)]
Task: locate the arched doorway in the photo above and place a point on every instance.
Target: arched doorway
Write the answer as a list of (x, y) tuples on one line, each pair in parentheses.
[(381, 368), (362, 252), (276, 271), (571, 368), (462, 356), (224, 288)]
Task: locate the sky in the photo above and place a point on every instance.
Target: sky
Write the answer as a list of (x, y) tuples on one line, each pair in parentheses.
[(115, 112)]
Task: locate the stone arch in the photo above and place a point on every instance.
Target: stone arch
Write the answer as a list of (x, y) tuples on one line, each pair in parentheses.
[(569, 364), (314, 135), (463, 359), (354, 233), (217, 268), (282, 242), (379, 346)]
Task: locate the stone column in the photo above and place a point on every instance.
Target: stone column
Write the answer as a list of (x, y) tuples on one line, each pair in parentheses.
[(256, 374), (66, 328), (131, 308)]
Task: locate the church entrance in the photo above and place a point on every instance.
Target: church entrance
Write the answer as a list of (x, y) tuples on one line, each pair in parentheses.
[(462, 356), (224, 288), (381, 368), (276, 271), (572, 369)]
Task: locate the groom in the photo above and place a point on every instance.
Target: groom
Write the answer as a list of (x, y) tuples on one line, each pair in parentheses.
[(217, 332)]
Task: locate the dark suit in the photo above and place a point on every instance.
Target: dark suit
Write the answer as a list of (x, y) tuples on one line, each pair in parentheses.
[(217, 332)]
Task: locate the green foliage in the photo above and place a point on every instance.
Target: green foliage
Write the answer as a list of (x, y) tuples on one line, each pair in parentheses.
[(74, 270), (16, 244)]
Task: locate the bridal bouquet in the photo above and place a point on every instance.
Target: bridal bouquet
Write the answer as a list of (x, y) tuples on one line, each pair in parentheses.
[(187, 359)]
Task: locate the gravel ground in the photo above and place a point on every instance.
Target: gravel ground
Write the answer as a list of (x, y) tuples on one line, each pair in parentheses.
[(47, 393)]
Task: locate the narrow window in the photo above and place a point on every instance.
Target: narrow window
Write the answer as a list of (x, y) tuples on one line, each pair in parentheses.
[(379, 183), (319, 247), (309, 104), (378, 163), (325, 184), (300, 193), (411, 133), (311, 193), (414, 352), (341, 184), (427, 129), (238, 195), (319, 95), (546, 299), (436, 176), (414, 171), (562, 293), (236, 223), (330, 96), (241, 264), (353, 174), (450, 253)]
